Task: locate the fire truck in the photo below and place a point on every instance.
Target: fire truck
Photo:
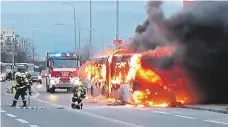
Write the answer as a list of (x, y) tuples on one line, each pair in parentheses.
[(61, 71)]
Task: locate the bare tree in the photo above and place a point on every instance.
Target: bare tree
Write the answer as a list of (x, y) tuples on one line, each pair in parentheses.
[(24, 51)]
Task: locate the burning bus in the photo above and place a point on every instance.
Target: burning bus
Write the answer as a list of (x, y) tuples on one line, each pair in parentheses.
[(143, 79)]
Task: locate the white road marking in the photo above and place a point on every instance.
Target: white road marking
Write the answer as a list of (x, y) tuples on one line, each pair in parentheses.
[(220, 119), (185, 117), (143, 109), (22, 121), (33, 126), (212, 121), (2, 111), (161, 112), (92, 114), (10, 115)]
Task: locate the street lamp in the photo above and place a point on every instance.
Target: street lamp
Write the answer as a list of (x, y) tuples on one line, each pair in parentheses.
[(117, 19), (13, 43), (33, 48), (90, 22), (79, 32), (75, 41), (102, 41)]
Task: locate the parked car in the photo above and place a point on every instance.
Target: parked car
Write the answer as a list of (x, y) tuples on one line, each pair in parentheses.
[(2, 77), (43, 73), (36, 77)]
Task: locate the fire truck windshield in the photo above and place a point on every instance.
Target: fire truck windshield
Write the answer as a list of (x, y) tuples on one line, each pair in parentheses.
[(64, 63)]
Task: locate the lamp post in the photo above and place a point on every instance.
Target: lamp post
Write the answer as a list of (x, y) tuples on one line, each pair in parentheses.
[(117, 19), (79, 32), (33, 47), (90, 22), (75, 41)]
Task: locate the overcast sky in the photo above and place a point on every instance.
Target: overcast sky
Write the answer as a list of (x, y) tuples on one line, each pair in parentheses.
[(40, 17)]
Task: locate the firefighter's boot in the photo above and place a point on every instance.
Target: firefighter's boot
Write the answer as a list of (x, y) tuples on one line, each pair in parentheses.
[(14, 103), (24, 103)]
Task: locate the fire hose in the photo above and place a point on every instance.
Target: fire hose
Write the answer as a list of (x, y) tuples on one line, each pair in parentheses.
[(5, 91), (28, 98)]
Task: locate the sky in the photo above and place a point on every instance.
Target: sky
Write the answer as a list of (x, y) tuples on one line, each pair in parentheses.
[(40, 18)]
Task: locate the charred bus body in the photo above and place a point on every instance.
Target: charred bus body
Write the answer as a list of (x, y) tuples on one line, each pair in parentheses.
[(151, 80)]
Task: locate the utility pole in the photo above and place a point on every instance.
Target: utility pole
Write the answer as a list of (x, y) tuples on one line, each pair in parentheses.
[(13, 48), (75, 30), (117, 19), (79, 36), (75, 42), (13, 51), (90, 25), (102, 43), (33, 48)]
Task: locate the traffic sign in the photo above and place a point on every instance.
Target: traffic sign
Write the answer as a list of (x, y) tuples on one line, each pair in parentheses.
[(116, 42)]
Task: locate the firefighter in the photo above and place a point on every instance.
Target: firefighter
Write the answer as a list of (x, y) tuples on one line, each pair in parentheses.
[(21, 87), (9, 76), (79, 88), (29, 77)]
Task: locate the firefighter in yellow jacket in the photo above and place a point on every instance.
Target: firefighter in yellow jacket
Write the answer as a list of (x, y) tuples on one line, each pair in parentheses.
[(21, 87), (79, 93)]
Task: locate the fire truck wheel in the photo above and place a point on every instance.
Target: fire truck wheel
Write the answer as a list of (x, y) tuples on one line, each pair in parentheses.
[(68, 90), (52, 90)]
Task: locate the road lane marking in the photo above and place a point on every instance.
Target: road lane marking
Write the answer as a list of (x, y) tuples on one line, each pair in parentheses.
[(2, 111), (10, 115), (185, 117), (109, 119), (212, 121), (33, 126), (91, 114), (161, 112), (143, 109), (22, 121)]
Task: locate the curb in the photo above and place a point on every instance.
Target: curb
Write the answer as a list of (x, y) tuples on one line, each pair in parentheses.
[(225, 111)]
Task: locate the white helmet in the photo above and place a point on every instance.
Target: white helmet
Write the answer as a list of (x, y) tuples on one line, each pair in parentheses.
[(17, 74)]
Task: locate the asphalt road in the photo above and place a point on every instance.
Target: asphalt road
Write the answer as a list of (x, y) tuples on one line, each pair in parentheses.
[(54, 110)]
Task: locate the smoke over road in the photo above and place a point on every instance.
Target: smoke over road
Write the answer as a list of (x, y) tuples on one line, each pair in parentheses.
[(200, 36)]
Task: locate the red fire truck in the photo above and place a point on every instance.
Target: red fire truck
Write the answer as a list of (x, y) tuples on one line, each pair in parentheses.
[(62, 71)]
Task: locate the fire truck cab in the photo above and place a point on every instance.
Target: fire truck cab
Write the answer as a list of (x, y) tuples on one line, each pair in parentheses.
[(62, 71)]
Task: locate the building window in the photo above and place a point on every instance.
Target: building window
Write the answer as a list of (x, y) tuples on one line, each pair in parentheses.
[(8, 39)]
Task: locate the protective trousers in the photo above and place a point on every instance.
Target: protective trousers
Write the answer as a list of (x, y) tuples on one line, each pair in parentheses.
[(75, 98), (20, 92), (29, 88)]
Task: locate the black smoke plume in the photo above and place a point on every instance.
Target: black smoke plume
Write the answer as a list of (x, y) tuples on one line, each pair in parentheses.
[(200, 34)]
